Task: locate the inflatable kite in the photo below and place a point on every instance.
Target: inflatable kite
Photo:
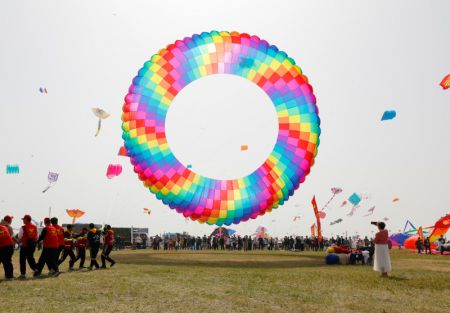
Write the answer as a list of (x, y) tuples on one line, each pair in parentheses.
[(42, 90), (12, 169), (113, 170), (221, 202), (101, 114), (339, 220), (52, 179), (445, 83), (74, 214), (388, 115)]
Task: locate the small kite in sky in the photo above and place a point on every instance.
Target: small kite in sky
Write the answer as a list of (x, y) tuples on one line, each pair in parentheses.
[(445, 83), (244, 148), (339, 220), (389, 115), (335, 191), (344, 203), (353, 210), (189, 166), (12, 169), (296, 218), (385, 219), (101, 114), (113, 170), (354, 199), (52, 179), (395, 200), (370, 211), (42, 90), (147, 211)]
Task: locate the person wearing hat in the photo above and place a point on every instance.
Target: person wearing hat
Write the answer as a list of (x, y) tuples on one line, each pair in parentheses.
[(28, 236), (6, 249), (68, 247), (6, 221), (49, 255), (93, 238)]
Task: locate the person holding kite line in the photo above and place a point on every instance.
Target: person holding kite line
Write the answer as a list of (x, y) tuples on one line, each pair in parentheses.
[(382, 259)]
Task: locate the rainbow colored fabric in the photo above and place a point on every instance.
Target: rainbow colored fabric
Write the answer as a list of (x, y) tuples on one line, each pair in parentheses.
[(201, 198)]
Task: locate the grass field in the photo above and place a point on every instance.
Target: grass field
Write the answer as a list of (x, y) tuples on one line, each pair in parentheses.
[(205, 281)]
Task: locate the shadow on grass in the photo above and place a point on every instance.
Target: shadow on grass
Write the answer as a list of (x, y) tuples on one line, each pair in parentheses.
[(232, 261)]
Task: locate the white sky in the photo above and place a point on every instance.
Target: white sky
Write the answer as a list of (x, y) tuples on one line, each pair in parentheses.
[(362, 57)]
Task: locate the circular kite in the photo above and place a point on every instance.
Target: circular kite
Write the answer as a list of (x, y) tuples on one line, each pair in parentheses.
[(202, 198)]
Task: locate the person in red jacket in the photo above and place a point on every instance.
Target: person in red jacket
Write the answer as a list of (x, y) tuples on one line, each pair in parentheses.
[(108, 246), (49, 255), (28, 236), (6, 252), (60, 231), (81, 247), (68, 247)]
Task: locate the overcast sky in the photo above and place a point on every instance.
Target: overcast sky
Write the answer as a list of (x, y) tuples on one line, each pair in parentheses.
[(362, 58)]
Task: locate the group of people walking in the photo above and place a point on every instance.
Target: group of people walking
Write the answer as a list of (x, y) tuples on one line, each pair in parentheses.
[(57, 244)]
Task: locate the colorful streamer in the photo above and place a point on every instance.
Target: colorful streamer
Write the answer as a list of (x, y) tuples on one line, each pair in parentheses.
[(317, 214), (113, 170), (201, 198), (12, 169)]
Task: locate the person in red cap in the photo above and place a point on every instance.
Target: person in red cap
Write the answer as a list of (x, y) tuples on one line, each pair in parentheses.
[(6, 249), (6, 221), (49, 255), (28, 235)]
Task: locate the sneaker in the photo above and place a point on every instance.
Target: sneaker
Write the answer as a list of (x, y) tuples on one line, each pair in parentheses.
[(22, 276), (90, 268), (9, 279), (37, 274), (56, 274)]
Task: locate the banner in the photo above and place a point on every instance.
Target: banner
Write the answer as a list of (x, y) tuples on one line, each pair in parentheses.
[(316, 213), (313, 230)]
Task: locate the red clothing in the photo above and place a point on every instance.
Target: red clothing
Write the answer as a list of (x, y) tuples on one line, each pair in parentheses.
[(109, 238), (51, 237), (382, 237), (29, 232), (5, 237), (81, 241), (60, 232)]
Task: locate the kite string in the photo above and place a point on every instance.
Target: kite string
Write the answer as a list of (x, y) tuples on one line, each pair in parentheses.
[(329, 201)]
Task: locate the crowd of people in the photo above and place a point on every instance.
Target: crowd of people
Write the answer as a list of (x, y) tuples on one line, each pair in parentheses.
[(247, 243), (56, 244)]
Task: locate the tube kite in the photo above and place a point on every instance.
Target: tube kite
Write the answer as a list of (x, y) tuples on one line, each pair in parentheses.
[(74, 214), (113, 170), (12, 169), (445, 83), (221, 202)]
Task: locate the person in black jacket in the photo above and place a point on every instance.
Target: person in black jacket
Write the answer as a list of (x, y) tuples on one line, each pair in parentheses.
[(93, 238)]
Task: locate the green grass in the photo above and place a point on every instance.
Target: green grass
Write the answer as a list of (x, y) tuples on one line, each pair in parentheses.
[(205, 281)]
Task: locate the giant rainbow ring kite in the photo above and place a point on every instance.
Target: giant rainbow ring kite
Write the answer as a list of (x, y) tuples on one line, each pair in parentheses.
[(201, 198)]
